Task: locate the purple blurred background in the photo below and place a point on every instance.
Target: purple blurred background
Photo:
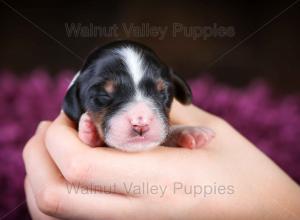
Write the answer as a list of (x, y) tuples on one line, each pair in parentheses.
[(251, 78), (270, 122)]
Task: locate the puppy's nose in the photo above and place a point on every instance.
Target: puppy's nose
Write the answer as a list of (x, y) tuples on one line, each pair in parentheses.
[(140, 129), (140, 125)]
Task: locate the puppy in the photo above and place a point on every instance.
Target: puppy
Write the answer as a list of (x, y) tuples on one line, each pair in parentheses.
[(123, 94)]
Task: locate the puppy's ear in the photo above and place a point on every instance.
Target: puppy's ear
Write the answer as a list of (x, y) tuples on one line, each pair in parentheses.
[(72, 105), (182, 91)]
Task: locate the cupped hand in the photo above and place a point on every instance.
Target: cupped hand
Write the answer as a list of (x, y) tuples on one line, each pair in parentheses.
[(227, 179)]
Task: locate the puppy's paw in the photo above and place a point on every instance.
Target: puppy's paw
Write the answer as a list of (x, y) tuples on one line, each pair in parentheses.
[(87, 131), (190, 137)]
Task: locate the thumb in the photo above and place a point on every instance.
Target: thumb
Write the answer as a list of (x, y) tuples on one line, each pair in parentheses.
[(88, 132)]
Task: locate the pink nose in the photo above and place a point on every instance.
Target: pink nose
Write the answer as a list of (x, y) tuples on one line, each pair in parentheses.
[(140, 124), (140, 129)]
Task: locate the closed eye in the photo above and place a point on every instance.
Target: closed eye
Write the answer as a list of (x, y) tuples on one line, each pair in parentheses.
[(100, 100)]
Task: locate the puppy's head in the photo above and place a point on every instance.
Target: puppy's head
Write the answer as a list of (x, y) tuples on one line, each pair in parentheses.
[(128, 92)]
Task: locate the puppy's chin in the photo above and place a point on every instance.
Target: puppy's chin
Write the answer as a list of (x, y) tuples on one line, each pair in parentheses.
[(134, 144), (137, 147)]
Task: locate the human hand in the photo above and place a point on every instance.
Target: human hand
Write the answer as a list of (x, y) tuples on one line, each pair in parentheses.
[(254, 186)]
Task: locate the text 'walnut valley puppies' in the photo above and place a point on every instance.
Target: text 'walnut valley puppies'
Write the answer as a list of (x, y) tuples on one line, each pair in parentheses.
[(122, 95)]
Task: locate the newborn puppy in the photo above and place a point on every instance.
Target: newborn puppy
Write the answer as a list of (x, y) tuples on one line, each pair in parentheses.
[(122, 95)]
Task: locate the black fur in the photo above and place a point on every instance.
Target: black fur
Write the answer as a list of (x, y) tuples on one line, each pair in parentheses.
[(88, 93)]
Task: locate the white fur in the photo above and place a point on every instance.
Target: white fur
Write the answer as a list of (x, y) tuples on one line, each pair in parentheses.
[(134, 63), (72, 82), (115, 141), (135, 67), (74, 79)]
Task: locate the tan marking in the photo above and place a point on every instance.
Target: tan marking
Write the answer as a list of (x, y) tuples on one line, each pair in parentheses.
[(160, 85), (97, 118), (109, 86)]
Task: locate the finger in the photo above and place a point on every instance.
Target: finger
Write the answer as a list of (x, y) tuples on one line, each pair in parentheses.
[(194, 137), (83, 165), (55, 197), (186, 140), (87, 131), (35, 213)]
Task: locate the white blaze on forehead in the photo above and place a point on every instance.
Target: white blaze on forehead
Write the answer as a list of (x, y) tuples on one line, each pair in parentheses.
[(134, 63)]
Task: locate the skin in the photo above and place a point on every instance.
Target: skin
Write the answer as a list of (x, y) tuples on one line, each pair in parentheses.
[(55, 157), (191, 137)]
